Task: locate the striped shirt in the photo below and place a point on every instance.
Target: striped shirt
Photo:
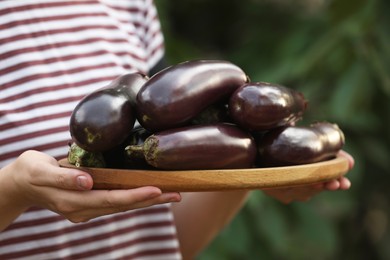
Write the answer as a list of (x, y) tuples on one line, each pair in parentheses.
[(53, 53)]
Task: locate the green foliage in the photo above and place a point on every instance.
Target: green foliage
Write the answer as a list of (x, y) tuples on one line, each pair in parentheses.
[(338, 54)]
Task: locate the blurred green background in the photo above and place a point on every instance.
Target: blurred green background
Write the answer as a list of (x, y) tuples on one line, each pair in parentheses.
[(338, 54)]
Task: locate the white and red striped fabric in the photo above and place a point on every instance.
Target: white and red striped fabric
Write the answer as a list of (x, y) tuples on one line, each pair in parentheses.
[(52, 53)]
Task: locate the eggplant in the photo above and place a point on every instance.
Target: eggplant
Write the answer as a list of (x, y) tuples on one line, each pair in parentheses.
[(136, 160), (118, 158), (261, 106), (214, 146), (216, 113), (175, 95), (130, 84), (294, 145), (82, 158), (104, 118)]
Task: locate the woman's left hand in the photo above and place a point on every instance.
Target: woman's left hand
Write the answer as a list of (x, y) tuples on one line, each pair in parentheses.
[(305, 192)]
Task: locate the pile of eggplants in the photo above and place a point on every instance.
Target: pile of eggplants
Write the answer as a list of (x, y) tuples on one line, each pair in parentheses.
[(197, 115)]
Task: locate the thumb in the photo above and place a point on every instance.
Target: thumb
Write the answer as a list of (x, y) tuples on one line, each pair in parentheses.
[(63, 178)]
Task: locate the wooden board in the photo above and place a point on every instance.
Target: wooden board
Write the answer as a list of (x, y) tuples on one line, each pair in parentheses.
[(216, 180)]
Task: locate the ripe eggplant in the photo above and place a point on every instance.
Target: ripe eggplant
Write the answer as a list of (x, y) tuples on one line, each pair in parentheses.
[(136, 160), (118, 158), (104, 118), (82, 158), (175, 95), (216, 113), (214, 146), (294, 145), (129, 84), (259, 106)]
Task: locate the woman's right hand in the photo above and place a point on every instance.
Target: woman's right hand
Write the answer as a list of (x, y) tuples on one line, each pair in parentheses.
[(35, 179)]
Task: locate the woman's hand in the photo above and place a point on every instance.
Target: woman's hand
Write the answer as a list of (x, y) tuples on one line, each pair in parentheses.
[(35, 179), (305, 192)]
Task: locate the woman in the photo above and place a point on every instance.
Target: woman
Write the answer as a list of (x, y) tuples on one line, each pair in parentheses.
[(53, 53)]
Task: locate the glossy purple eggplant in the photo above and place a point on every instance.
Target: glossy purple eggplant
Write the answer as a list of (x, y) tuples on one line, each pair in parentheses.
[(82, 158), (104, 118), (259, 106), (129, 84), (215, 146), (175, 95), (294, 145), (216, 113), (136, 160)]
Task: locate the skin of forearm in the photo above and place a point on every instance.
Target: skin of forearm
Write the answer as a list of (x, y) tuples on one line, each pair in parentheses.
[(202, 215), (10, 204)]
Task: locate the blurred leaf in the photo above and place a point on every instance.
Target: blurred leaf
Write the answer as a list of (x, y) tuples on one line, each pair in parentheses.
[(343, 9), (352, 95), (378, 67), (317, 232), (272, 223), (378, 152)]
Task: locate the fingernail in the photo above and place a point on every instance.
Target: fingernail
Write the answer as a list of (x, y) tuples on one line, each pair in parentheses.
[(347, 184), (82, 182), (173, 197)]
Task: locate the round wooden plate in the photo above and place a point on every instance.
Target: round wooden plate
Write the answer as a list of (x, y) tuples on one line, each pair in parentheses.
[(216, 180)]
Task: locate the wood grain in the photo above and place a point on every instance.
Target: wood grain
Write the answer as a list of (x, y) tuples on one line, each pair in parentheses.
[(216, 180)]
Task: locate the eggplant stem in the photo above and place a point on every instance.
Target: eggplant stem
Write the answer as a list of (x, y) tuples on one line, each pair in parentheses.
[(135, 151), (151, 150)]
